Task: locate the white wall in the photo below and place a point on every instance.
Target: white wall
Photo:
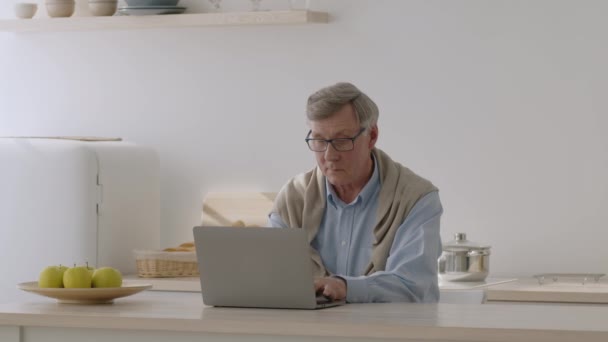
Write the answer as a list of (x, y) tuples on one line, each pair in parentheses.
[(500, 103)]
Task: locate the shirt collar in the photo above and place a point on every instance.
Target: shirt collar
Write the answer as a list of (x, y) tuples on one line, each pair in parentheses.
[(365, 194)]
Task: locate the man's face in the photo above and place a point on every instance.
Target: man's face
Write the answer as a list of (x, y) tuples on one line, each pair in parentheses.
[(348, 167)]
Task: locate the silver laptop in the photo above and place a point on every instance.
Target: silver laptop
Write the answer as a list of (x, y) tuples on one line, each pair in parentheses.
[(256, 267)]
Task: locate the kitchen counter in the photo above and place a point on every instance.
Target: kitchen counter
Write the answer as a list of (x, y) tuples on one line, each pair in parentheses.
[(181, 316), (185, 284), (193, 284)]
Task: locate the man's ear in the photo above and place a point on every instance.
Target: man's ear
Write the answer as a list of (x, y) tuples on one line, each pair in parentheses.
[(373, 135)]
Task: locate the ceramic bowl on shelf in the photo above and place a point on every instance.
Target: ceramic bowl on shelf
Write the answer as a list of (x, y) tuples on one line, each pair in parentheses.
[(60, 8), (25, 10), (102, 7), (148, 3), (152, 10)]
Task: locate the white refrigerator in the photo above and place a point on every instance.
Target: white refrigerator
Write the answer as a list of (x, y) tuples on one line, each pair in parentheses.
[(69, 200)]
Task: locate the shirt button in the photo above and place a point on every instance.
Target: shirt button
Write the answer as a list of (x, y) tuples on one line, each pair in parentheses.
[(343, 243)]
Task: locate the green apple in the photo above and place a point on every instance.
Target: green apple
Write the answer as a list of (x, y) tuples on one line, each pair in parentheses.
[(91, 269), (51, 276), (77, 277), (107, 277), (62, 269)]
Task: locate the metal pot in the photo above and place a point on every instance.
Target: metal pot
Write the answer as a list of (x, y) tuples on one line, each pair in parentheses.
[(463, 260)]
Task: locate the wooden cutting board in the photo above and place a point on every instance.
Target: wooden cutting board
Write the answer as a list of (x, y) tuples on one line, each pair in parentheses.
[(529, 290), (237, 208)]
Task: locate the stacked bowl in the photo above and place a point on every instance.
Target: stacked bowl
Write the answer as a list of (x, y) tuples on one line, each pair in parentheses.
[(146, 3), (150, 7), (102, 7), (25, 10), (60, 8)]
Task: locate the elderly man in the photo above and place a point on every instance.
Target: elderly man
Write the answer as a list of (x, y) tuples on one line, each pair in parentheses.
[(373, 225)]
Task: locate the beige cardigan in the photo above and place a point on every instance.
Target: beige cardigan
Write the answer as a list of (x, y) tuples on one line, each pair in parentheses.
[(301, 204)]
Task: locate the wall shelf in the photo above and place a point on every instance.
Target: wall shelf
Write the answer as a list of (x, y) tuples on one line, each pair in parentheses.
[(163, 21)]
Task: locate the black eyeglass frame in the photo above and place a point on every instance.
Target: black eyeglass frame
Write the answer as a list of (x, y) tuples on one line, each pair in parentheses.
[(331, 141)]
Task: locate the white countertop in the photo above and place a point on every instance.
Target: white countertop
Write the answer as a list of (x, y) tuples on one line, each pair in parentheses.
[(471, 285), (185, 284), (185, 312), (192, 284)]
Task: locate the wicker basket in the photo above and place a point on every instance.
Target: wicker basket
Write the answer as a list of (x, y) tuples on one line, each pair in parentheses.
[(160, 264)]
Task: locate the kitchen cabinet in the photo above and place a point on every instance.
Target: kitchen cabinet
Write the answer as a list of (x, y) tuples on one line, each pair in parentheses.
[(9, 334), (164, 21)]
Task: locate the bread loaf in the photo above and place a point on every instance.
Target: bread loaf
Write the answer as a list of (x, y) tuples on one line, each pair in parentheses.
[(184, 247)]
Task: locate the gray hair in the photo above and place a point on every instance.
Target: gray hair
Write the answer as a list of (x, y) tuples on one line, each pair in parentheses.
[(326, 101)]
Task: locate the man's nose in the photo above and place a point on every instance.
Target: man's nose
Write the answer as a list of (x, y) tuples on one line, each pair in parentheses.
[(331, 153)]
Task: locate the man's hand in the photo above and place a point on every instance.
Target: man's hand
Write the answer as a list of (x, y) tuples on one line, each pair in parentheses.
[(332, 287)]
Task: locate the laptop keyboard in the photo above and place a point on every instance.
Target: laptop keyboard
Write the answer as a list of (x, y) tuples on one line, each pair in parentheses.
[(323, 300)]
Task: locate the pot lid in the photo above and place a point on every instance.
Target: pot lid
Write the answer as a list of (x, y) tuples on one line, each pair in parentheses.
[(460, 243)]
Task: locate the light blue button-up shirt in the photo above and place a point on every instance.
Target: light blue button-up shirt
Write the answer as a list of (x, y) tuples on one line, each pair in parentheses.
[(345, 240)]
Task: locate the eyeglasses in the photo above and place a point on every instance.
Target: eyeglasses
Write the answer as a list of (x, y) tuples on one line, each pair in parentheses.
[(339, 144)]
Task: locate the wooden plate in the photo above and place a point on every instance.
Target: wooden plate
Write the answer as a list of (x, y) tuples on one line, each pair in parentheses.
[(85, 296)]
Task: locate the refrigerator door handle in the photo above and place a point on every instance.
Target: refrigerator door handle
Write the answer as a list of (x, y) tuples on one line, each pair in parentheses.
[(99, 199)]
